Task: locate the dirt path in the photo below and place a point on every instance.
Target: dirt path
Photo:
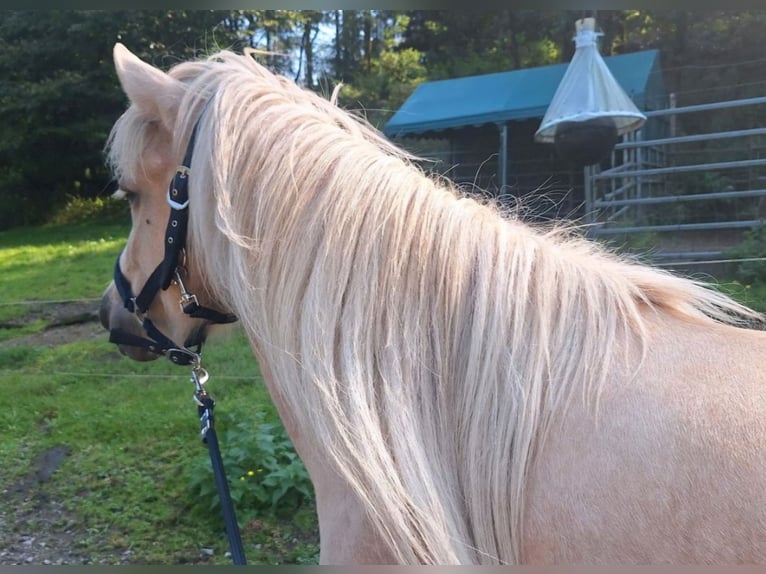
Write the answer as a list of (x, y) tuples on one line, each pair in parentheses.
[(65, 323)]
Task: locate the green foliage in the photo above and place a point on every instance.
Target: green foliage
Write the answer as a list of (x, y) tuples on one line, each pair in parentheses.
[(55, 111), (265, 473), (752, 246), (391, 80), (640, 245), (59, 96), (80, 209), (752, 295)]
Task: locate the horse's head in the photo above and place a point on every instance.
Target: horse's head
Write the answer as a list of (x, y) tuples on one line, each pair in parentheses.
[(148, 307)]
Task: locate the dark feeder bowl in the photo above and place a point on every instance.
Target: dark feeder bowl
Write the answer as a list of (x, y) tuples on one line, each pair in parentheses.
[(586, 142)]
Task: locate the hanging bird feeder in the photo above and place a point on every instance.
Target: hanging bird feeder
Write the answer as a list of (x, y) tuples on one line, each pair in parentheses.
[(590, 110)]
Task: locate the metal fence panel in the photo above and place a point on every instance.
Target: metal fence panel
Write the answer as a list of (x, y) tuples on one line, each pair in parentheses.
[(684, 194)]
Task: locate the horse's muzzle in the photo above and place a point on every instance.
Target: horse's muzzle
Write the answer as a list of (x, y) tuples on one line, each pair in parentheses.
[(113, 315)]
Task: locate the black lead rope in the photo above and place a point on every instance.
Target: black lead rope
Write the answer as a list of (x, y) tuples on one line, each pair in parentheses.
[(171, 270), (205, 405)]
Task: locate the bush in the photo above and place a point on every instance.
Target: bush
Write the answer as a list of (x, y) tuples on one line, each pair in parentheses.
[(752, 246), (265, 474), (79, 209)]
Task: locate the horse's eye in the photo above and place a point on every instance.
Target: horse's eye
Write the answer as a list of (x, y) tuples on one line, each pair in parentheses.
[(126, 194)]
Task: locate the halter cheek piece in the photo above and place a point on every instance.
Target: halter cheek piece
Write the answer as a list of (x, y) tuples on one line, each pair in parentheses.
[(168, 271)]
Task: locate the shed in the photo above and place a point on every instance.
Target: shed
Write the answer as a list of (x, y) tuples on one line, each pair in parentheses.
[(489, 122)]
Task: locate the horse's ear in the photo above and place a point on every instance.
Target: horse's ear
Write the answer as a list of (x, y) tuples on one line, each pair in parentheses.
[(150, 89)]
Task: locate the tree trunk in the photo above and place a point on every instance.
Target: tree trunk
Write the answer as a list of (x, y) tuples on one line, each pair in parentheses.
[(367, 31), (308, 52), (338, 43)]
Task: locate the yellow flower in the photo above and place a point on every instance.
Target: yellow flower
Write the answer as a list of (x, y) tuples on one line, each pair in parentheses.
[(250, 473)]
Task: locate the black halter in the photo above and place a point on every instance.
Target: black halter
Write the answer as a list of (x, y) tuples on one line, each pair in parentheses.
[(169, 270)]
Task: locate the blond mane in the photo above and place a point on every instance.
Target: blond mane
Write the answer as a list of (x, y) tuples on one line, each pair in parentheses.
[(428, 340)]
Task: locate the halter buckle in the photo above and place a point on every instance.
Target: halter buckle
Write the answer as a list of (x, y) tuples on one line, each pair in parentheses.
[(174, 204), (188, 303), (178, 187)]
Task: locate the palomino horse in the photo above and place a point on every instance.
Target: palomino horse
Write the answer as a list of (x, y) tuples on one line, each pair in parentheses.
[(462, 387)]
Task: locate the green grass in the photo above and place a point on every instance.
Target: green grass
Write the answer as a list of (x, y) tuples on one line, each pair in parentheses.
[(57, 262), (131, 428), (54, 263)]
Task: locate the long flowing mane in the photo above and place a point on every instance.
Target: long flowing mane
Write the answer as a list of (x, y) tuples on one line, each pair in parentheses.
[(428, 339)]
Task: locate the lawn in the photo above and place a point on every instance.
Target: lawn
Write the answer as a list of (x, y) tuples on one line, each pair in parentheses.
[(101, 455)]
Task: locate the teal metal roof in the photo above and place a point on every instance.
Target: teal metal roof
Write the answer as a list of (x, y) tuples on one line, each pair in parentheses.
[(515, 95)]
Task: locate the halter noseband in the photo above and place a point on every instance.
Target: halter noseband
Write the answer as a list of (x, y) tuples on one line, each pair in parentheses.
[(168, 271)]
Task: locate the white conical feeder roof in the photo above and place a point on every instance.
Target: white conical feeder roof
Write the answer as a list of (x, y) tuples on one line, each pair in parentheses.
[(588, 90)]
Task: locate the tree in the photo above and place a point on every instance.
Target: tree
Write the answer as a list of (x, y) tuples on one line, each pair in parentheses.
[(59, 95), (462, 43), (309, 21), (379, 72)]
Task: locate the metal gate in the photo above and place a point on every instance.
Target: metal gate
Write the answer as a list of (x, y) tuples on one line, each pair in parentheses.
[(686, 186)]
